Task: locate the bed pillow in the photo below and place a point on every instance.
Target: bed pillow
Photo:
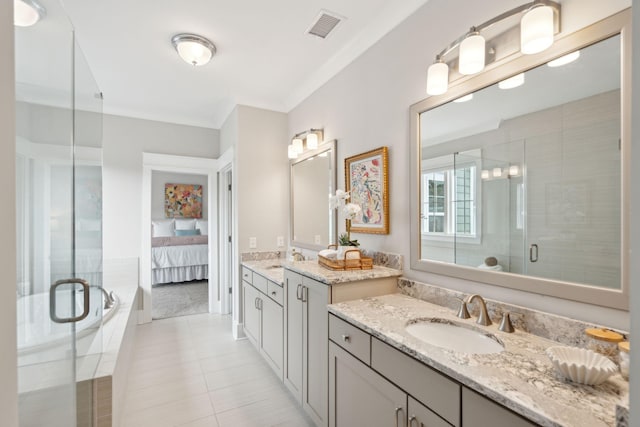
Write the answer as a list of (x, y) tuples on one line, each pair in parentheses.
[(163, 228), (185, 224), (187, 232), (203, 226)]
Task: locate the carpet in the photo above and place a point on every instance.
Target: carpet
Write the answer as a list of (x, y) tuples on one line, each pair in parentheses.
[(179, 299)]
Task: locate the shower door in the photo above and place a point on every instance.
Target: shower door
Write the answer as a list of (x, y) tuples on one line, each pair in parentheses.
[(58, 226)]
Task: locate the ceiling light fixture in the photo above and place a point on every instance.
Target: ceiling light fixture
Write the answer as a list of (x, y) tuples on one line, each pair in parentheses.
[(193, 49), (539, 22), (27, 12), (307, 140), (512, 82), (564, 60)]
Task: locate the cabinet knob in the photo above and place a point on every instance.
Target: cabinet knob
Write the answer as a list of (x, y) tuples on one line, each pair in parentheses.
[(346, 338), (273, 293)]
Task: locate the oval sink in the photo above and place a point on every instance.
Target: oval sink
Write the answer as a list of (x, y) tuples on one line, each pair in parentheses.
[(452, 336)]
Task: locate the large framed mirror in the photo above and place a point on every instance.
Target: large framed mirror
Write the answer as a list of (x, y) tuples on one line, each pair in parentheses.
[(313, 179), (526, 185)]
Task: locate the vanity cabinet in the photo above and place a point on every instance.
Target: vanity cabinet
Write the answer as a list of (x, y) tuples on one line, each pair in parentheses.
[(374, 384), (307, 334), (264, 318)]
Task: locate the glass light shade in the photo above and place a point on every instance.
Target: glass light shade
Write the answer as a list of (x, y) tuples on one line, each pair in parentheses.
[(465, 98), (297, 145), (536, 30), (497, 172), (437, 78), (291, 152), (484, 174), (514, 170), (564, 60), (472, 53), (312, 141), (510, 83), (194, 53), (26, 14)]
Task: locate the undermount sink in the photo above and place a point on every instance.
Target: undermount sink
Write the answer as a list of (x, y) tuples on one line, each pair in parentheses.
[(453, 336), (273, 267)]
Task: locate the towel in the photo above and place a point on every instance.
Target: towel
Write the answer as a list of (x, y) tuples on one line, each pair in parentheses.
[(328, 253), (494, 268)]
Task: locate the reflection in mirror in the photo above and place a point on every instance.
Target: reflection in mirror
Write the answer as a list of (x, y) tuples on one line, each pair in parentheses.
[(313, 177), (527, 180)]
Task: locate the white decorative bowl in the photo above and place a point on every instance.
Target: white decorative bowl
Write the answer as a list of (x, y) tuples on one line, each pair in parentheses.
[(581, 365)]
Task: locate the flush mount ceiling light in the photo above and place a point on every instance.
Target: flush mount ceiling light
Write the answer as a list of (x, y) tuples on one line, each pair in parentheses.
[(564, 60), (512, 82), (193, 49), (307, 140), (27, 12), (535, 23)]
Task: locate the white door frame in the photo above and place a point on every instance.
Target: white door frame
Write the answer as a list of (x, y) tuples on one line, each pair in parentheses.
[(227, 257), (178, 164)]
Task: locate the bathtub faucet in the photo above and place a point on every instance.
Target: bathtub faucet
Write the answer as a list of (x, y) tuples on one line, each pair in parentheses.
[(109, 299)]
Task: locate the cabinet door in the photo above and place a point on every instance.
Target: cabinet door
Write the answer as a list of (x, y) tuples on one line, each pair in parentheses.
[(358, 396), (272, 334), (251, 313), (293, 333), (315, 349), (421, 416), (478, 411)]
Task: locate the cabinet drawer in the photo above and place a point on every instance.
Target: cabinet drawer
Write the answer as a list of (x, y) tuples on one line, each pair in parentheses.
[(246, 275), (478, 411), (275, 292), (437, 392), (260, 283), (350, 338), (419, 415)]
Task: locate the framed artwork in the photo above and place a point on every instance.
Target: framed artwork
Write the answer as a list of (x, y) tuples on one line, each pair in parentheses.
[(183, 200), (367, 180)]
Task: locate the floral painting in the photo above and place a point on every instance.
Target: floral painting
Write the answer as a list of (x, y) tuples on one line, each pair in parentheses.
[(366, 177), (183, 200)]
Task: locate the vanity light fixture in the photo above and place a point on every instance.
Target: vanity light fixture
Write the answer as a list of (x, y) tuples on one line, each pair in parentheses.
[(538, 22), (484, 174), (514, 170), (512, 82), (307, 140), (193, 49), (497, 172), (564, 60), (467, 97), (472, 53), (27, 12)]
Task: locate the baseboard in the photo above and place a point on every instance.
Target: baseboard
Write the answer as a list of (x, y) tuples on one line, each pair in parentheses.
[(238, 331)]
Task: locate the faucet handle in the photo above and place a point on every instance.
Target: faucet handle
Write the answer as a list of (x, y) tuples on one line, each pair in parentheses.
[(505, 324), (463, 312)]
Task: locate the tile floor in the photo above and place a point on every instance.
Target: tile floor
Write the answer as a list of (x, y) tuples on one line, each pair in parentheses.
[(190, 372)]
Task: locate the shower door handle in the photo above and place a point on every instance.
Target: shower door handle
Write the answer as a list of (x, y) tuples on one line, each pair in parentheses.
[(52, 301), (533, 253)]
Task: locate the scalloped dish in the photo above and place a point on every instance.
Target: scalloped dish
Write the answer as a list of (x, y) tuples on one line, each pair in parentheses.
[(581, 365)]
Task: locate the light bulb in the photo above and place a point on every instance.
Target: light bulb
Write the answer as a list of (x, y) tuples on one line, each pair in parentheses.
[(297, 145), (512, 82), (26, 13), (291, 152), (312, 141), (497, 172), (472, 53), (564, 60), (514, 170), (536, 30), (437, 78), (484, 174)]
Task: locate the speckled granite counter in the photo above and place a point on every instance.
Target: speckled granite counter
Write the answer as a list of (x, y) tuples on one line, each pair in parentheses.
[(330, 277), (520, 378), (269, 268)]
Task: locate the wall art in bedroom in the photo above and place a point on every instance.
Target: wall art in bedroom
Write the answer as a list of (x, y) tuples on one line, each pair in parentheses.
[(183, 200)]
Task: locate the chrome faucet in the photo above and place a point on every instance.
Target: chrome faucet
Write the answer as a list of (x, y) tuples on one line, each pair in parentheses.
[(483, 317), (109, 299), (297, 256)]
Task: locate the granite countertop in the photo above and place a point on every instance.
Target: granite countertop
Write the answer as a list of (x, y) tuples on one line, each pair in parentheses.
[(521, 377), (335, 277), (270, 268)]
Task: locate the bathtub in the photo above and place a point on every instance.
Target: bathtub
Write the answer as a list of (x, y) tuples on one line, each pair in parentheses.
[(36, 330)]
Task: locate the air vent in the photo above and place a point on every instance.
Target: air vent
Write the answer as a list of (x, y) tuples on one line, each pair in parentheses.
[(324, 23)]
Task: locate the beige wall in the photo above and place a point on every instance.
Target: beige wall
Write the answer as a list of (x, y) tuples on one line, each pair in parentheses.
[(366, 106), (125, 139)]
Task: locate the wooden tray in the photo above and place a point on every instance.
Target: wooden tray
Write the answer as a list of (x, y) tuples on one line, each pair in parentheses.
[(355, 261)]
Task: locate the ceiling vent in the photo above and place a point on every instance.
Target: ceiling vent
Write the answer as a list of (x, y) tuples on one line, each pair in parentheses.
[(324, 24)]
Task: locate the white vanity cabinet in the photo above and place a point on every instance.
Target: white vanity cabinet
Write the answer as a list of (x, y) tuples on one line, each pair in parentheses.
[(264, 317), (307, 334), (381, 386)]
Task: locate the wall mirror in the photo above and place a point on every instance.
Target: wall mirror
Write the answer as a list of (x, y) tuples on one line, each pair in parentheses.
[(524, 185), (313, 179)]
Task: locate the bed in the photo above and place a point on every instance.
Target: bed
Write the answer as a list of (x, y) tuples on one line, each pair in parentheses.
[(177, 259)]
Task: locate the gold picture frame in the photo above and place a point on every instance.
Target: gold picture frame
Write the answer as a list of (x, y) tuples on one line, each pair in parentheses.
[(367, 181)]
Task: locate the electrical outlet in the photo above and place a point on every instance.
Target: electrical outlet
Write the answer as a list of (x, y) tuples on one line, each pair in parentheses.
[(253, 242), (280, 242), (317, 239)]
